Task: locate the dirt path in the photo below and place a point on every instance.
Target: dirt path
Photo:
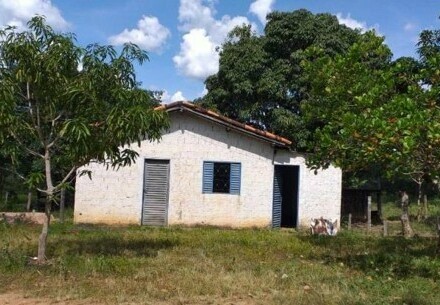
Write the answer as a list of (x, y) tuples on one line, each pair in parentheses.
[(12, 298)]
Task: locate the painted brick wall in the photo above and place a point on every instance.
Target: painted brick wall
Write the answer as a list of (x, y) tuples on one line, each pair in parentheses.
[(319, 194), (116, 196)]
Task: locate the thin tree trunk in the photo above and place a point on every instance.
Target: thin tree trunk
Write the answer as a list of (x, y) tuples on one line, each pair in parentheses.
[(425, 206), (42, 240), (6, 198), (62, 204), (419, 192), (29, 201), (2, 181), (438, 233), (422, 214), (407, 231)]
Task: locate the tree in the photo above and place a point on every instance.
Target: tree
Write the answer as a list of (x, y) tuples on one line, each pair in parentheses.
[(66, 105), (260, 80), (377, 115)]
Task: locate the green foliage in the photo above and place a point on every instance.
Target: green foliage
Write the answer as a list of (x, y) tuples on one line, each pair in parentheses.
[(374, 112), (260, 80), (63, 105)]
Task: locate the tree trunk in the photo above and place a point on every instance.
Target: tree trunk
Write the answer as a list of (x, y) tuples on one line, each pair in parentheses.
[(6, 198), (419, 192), (407, 231), (42, 240), (62, 204), (438, 233), (29, 201), (422, 214), (425, 206), (2, 182)]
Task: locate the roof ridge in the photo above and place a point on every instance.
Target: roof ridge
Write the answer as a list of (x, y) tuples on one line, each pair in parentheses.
[(213, 114)]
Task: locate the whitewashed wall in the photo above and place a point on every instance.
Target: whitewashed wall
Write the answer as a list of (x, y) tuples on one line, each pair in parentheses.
[(319, 194), (116, 196)]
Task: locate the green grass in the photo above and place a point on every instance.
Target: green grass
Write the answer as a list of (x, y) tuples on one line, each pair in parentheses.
[(140, 265), (427, 227)]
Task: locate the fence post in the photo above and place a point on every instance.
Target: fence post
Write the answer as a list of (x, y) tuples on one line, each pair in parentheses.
[(385, 228), (369, 214), (349, 221)]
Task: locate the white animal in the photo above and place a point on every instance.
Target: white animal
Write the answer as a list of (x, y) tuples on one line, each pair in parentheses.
[(323, 226)]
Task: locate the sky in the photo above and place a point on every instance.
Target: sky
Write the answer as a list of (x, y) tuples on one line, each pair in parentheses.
[(182, 36)]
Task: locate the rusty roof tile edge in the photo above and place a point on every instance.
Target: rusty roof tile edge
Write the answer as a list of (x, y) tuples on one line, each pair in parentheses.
[(210, 113)]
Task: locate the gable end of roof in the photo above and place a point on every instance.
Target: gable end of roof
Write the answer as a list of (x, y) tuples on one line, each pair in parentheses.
[(214, 116)]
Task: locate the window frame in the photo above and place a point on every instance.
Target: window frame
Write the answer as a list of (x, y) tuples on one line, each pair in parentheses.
[(208, 177)]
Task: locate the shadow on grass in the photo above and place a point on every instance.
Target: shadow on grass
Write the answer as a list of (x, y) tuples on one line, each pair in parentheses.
[(392, 256), (113, 246)]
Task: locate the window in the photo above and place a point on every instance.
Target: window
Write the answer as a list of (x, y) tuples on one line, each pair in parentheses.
[(221, 177)]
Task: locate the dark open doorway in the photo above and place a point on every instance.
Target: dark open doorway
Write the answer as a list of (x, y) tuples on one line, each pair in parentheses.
[(285, 196)]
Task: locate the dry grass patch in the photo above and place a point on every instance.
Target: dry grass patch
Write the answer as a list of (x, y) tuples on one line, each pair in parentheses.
[(139, 265)]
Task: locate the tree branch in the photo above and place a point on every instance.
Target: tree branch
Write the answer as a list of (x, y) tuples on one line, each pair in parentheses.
[(14, 172), (66, 178), (30, 151)]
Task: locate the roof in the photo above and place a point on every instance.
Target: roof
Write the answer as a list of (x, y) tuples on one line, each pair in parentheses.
[(218, 118)]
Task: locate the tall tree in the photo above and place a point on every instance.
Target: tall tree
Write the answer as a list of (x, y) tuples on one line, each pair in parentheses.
[(66, 105), (382, 115), (260, 79)]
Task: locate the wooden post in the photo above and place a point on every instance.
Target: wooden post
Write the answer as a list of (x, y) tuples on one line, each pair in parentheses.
[(349, 221), (385, 228), (369, 214), (6, 198)]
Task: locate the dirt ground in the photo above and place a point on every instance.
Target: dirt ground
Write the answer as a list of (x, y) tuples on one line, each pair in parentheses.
[(14, 298)]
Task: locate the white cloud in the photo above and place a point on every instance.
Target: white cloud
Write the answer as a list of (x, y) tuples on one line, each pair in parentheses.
[(18, 12), (149, 34), (409, 27), (261, 8), (203, 33), (177, 97), (166, 98), (353, 23), (197, 57), (193, 14), (204, 92)]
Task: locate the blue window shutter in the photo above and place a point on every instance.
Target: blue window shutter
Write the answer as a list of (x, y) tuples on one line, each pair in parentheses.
[(235, 179), (208, 177)]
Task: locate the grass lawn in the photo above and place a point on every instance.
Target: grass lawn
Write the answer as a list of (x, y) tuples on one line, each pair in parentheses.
[(142, 265)]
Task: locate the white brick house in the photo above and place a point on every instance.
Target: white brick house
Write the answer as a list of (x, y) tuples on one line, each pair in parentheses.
[(208, 169)]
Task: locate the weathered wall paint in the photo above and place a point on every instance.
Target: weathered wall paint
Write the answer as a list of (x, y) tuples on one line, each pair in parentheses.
[(115, 197)]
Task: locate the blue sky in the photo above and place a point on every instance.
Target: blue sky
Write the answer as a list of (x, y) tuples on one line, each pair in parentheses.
[(181, 35)]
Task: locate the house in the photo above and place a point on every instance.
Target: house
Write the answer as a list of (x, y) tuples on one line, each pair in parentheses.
[(210, 170)]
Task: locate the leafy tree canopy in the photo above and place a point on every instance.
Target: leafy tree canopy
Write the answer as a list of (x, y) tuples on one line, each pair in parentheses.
[(378, 115), (66, 105), (260, 79)]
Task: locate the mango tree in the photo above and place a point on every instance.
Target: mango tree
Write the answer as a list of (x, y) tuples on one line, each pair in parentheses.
[(66, 105), (260, 79)]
